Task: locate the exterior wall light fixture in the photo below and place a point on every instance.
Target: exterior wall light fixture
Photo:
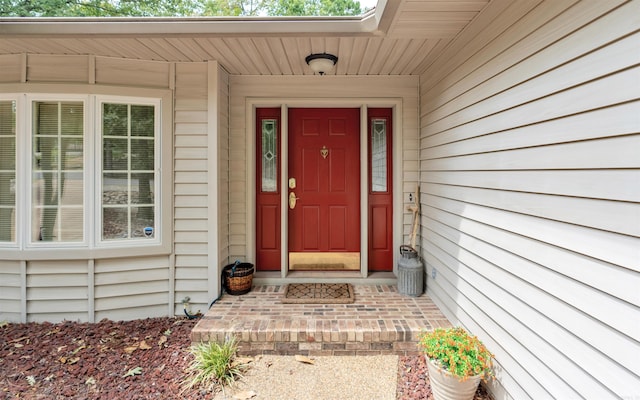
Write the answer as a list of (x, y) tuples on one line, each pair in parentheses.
[(321, 63)]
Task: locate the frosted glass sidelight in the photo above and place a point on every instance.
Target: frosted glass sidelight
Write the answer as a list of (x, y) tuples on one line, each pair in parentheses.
[(269, 155), (379, 155)]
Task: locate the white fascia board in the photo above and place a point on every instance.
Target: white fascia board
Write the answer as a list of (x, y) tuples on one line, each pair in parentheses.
[(132, 26)]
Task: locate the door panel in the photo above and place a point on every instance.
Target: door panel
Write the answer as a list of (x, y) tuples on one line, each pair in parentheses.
[(324, 158)]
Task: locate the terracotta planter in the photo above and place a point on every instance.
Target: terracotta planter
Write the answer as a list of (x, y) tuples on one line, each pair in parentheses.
[(446, 386)]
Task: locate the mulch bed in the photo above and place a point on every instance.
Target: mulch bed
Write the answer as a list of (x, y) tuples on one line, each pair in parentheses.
[(413, 381), (142, 359)]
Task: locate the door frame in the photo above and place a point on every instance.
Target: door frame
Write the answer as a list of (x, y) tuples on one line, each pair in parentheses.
[(397, 161)]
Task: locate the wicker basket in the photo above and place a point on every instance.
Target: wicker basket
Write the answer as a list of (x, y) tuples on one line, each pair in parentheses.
[(238, 278)]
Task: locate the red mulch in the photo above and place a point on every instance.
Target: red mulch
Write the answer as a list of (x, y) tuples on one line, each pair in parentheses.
[(413, 381), (142, 359), (81, 360)]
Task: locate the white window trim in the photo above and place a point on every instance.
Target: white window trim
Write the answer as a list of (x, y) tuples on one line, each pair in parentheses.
[(24, 155), (157, 186), (19, 169), (91, 247)]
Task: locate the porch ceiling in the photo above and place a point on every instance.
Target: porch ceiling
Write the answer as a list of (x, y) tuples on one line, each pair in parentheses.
[(400, 37)]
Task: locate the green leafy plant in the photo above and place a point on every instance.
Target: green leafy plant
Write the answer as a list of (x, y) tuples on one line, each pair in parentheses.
[(214, 365), (458, 352)]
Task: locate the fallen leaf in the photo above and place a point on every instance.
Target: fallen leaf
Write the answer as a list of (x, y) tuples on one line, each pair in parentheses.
[(130, 349), (60, 348), (162, 340), (73, 360), (18, 345), (90, 381), (78, 349), (133, 371), (62, 359), (247, 394), (144, 346), (304, 359)]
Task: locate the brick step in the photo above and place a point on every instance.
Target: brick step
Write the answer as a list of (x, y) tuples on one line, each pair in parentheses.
[(380, 321)]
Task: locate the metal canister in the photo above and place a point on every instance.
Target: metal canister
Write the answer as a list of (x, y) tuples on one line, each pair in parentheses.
[(410, 272)]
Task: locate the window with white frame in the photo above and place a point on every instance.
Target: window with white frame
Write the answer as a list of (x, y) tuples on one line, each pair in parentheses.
[(57, 171), (7, 171), (92, 171), (128, 172)]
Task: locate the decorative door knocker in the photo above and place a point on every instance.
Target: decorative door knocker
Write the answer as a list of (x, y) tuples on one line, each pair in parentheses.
[(324, 152)]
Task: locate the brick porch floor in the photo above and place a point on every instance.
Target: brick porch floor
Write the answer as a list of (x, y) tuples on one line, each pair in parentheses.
[(380, 321)]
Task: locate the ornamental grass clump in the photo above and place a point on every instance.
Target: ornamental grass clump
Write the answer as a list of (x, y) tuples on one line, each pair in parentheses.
[(457, 352), (214, 365)]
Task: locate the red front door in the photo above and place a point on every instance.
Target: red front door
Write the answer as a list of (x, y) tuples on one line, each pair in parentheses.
[(324, 189)]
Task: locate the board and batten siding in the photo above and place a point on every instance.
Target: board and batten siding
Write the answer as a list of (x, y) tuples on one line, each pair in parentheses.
[(127, 287), (530, 172), (315, 91)]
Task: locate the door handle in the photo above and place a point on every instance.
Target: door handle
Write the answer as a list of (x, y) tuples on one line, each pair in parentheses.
[(292, 200)]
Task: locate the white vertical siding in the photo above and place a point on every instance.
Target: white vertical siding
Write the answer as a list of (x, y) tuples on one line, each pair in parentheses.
[(305, 91), (191, 185), (531, 194)]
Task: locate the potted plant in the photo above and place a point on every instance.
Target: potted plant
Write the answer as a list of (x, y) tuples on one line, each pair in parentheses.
[(456, 361)]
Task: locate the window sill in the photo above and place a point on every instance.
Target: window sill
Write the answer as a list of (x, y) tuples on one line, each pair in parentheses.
[(68, 253)]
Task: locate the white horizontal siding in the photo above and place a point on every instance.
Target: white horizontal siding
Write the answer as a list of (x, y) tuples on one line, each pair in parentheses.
[(531, 197), (131, 288), (57, 68), (10, 70), (217, 176), (132, 72), (10, 291), (191, 191), (57, 290)]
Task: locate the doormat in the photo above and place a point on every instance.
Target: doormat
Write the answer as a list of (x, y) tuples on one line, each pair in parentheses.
[(318, 293)]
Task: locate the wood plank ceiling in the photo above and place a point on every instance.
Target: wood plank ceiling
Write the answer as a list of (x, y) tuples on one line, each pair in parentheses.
[(410, 35)]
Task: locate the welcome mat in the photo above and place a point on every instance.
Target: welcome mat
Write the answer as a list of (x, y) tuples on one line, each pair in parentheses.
[(318, 293)]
